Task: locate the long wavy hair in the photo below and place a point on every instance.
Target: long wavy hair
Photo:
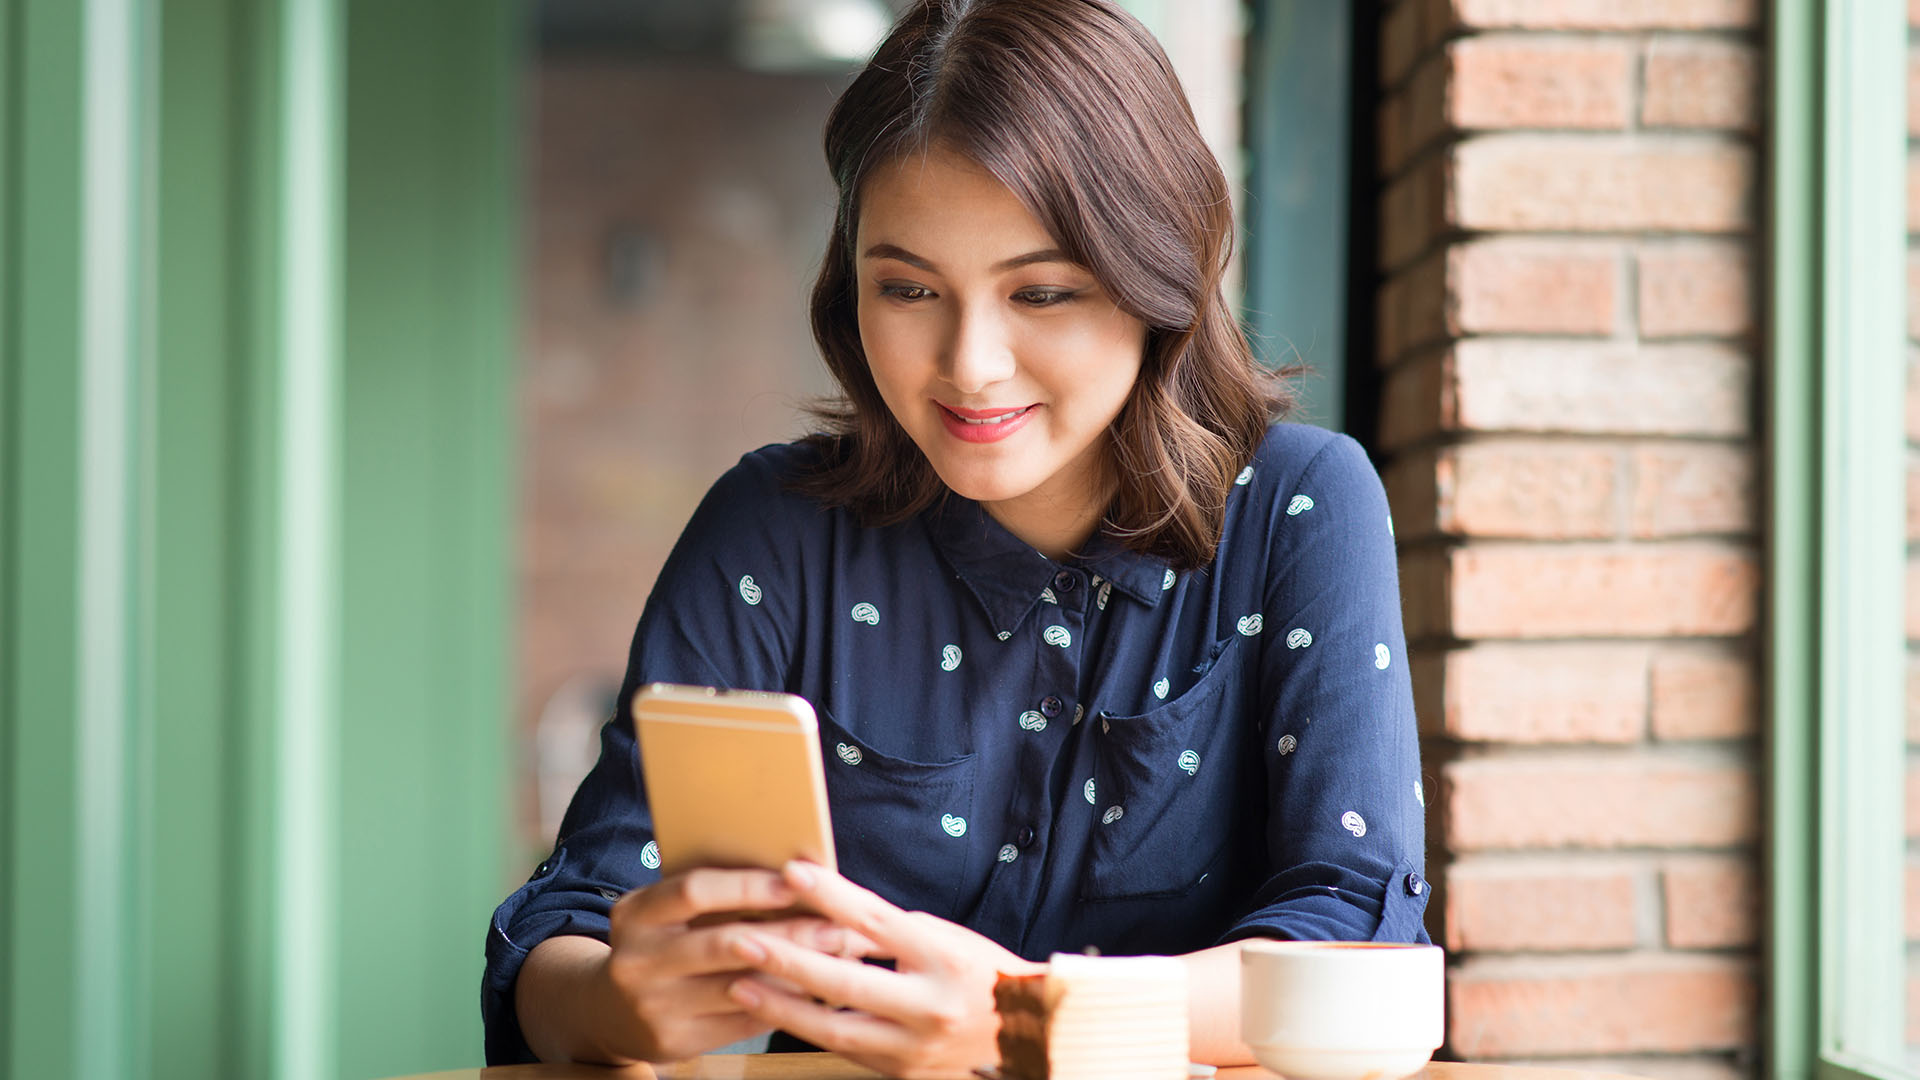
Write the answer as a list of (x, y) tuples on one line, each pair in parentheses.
[(1074, 107)]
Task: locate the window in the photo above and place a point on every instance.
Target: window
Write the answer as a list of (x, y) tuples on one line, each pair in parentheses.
[(1841, 749)]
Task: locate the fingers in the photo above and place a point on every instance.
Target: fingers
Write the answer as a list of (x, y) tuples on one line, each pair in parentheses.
[(864, 1038), (835, 980), (704, 1035), (685, 897), (676, 953), (889, 930)]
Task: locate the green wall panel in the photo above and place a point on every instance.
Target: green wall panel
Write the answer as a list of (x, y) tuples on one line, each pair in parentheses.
[(255, 339), (69, 720), (196, 426), (9, 511), (429, 115)]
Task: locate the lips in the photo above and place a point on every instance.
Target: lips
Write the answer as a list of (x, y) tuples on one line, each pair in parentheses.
[(984, 425)]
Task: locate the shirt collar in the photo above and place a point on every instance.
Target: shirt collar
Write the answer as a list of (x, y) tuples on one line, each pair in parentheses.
[(1007, 575)]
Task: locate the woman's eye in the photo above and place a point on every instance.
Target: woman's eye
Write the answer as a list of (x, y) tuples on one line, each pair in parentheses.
[(1043, 297), (905, 292)]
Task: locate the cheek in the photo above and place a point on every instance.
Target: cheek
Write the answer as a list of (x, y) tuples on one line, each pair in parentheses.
[(878, 342), (1106, 358)]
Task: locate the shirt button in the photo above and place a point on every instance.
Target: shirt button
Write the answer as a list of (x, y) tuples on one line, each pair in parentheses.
[(1416, 884), (1025, 839), (1051, 706), (1065, 581)]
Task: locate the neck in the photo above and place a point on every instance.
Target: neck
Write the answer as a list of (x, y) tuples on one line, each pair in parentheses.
[(1056, 526)]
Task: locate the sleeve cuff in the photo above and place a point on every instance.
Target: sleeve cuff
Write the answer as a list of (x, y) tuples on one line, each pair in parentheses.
[(527, 918), (1316, 912)]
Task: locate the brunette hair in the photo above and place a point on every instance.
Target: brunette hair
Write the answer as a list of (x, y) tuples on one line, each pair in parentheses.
[(1072, 105)]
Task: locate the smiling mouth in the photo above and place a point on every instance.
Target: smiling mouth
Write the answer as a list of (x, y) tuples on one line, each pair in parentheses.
[(988, 421)]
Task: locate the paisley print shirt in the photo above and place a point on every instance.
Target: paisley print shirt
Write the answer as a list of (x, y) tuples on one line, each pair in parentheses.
[(1097, 752)]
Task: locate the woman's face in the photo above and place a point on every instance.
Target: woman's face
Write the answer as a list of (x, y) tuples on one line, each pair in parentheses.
[(1004, 362)]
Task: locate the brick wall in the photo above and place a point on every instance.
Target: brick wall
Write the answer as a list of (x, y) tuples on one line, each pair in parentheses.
[(677, 213), (1569, 261)]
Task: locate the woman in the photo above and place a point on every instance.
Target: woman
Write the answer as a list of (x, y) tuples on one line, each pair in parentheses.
[(1101, 658)]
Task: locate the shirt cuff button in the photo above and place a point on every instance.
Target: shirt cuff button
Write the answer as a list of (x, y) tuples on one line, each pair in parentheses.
[(1416, 884)]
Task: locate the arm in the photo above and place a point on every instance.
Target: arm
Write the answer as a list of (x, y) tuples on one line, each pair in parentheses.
[(1345, 832), (703, 625), (568, 1008)]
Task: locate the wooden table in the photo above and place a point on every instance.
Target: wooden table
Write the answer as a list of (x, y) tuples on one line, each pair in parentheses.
[(830, 1067)]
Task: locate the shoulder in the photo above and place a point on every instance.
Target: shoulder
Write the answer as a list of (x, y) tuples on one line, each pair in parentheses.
[(1294, 455), (1309, 484), (763, 479), (754, 502)]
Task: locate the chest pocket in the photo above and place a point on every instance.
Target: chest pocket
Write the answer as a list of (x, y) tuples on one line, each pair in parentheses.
[(900, 828), (1166, 784)]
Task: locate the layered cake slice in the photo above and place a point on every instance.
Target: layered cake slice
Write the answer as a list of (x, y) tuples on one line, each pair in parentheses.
[(1095, 1018)]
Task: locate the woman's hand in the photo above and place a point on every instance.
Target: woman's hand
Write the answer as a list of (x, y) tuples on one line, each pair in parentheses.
[(931, 1017), (667, 964)]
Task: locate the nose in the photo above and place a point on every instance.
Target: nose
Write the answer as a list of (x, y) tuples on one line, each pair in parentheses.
[(977, 353)]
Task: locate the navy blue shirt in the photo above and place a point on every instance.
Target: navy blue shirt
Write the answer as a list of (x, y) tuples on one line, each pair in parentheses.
[(1097, 752)]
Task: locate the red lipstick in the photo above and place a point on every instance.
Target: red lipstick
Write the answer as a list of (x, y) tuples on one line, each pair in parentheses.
[(983, 425)]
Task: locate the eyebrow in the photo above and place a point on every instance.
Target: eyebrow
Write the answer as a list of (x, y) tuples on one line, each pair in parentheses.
[(893, 251)]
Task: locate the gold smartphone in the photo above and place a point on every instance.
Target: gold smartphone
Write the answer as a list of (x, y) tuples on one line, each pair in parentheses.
[(734, 777)]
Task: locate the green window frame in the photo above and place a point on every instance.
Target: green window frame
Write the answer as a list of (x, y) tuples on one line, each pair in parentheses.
[(1837, 446)]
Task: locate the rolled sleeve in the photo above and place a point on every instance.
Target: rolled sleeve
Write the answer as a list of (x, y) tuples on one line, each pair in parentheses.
[(1346, 816), (606, 850)]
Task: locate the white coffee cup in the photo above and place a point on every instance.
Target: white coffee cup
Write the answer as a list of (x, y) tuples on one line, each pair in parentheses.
[(1342, 1010)]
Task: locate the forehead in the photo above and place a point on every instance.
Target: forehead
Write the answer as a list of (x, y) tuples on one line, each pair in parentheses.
[(940, 197)]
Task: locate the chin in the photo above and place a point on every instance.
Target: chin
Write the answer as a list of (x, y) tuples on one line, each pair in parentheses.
[(984, 486)]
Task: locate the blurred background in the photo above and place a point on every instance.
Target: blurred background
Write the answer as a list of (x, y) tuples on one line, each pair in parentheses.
[(360, 361)]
